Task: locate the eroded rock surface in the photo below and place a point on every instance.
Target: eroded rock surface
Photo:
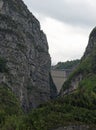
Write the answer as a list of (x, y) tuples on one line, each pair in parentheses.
[(24, 52)]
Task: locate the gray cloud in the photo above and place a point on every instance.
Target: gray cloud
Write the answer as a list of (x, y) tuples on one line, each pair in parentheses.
[(74, 12)]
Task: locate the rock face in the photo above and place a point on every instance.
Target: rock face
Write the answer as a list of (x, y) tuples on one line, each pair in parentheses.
[(86, 67), (73, 85), (91, 43), (24, 58)]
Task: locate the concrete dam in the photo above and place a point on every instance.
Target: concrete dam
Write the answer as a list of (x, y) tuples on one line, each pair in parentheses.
[(60, 76)]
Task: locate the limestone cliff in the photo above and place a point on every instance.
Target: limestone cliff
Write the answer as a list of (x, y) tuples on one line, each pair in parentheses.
[(24, 58), (91, 43), (84, 74)]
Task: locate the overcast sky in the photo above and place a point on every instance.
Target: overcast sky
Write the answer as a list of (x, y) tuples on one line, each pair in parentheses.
[(67, 24)]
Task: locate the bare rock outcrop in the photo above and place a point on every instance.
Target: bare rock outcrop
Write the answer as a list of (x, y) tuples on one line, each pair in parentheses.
[(24, 58), (86, 67)]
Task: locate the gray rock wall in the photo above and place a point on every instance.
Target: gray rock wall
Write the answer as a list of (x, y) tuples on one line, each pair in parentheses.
[(73, 85), (24, 47)]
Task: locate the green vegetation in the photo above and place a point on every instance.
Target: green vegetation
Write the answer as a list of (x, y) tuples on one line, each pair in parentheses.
[(71, 109), (66, 65), (87, 68), (9, 105), (50, 116), (77, 108)]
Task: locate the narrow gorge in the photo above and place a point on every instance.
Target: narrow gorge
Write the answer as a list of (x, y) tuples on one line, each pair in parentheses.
[(28, 95)]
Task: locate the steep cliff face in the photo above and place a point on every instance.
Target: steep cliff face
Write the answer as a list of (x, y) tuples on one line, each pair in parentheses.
[(91, 43), (85, 73), (24, 58)]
